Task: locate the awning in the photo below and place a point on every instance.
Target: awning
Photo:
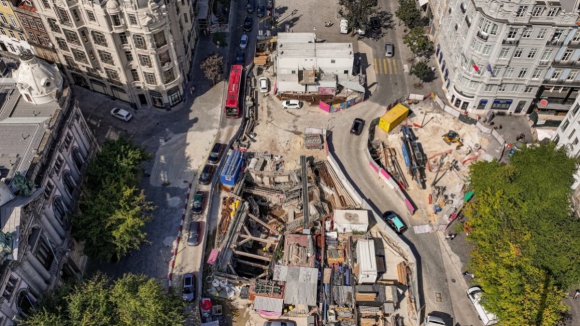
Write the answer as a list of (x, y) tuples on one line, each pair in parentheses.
[(352, 85), (423, 2)]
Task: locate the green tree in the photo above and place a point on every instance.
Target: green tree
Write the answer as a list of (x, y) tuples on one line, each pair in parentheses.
[(213, 67), (358, 12), (418, 42), (408, 13), (525, 236), (131, 300), (421, 70), (112, 210)]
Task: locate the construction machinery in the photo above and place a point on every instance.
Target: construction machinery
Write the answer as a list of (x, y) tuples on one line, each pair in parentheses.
[(414, 157), (452, 137)]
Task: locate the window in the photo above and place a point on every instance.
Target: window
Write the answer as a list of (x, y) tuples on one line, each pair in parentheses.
[(575, 142), (576, 37), (527, 33), (53, 25), (509, 72), (487, 26), (84, 36), (512, 33), (145, 60), (93, 72), (43, 251), (123, 38), (11, 284), (76, 15), (553, 11), (515, 87), (537, 11), (112, 74), (135, 75), (129, 56), (501, 88), (503, 54), (63, 16), (4, 20), (571, 133), (486, 49), (40, 25), (521, 11), (160, 39), (116, 20), (61, 44), (567, 55), (99, 38), (31, 22), (164, 57), (576, 108), (532, 53), (24, 22), (572, 75), (140, 42), (91, 55), (542, 33), (528, 89), (168, 76), (518, 53), (91, 16), (2, 31), (11, 34), (150, 78), (132, 20), (106, 57), (557, 73), (547, 55), (79, 56), (523, 73), (21, 37), (71, 37), (13, 20), (537, 73), (46, 4), (488, 88)]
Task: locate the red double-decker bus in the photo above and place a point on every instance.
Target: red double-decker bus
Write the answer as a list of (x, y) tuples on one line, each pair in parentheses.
[(233, 109)]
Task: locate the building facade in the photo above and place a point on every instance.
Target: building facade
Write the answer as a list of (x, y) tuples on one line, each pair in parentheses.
[(138, 51), (510, 56), (34, 28), (45, 145), (12, 36)]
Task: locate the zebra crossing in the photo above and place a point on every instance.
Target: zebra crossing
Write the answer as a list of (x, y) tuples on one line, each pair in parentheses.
[(385, 66)]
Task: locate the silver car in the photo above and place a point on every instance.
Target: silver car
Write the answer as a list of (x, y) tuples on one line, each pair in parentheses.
[(121, 114), (389, 50), (291, 104), (188, 292)]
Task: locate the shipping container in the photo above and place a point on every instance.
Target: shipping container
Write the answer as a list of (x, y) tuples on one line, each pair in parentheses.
[(393, 117)]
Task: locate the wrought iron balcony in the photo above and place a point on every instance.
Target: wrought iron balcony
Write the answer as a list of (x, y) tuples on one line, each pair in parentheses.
[(555, 43), (510, 41), (482, 36)]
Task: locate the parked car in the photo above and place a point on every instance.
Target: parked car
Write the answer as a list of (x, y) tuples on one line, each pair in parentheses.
[(216, 153), (280, 323), (343, 26), (194, 233), (244, 41), (198, 202), (361, 31), (188, 291), (389, 50), (206, 174), (395, 222), (261, 11), (375, 23), (357, 126), (264, 84), (248, 23), (269, 4), (291, 104), (240, 57), (356, 65), (474, 294), (250, 6), (434, 321), (121, 114)]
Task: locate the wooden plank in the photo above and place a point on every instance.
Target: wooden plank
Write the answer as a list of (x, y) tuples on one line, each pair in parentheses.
[(241, 253), (402, 273), (252, 264), (258, 239), (327, 274), (264, 224), (365, 296)]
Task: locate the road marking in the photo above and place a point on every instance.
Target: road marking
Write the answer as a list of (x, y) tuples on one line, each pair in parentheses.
[(395, 65), (376, 68), (385, 65)]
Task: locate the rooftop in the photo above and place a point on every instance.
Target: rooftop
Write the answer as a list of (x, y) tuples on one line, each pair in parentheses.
[(303, 45)]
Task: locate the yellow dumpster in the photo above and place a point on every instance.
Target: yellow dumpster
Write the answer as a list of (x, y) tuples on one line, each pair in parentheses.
[(393, 118)]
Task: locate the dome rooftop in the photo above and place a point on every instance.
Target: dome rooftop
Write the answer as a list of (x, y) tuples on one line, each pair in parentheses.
[(38, 81)]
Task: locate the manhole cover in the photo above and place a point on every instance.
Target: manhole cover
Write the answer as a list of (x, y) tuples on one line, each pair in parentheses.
[(438, 296), (453, 280)]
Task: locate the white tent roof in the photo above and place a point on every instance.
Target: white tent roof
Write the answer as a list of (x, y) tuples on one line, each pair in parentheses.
[(346, 217)]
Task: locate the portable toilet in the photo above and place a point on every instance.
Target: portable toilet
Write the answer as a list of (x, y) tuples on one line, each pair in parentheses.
[(393, 117)]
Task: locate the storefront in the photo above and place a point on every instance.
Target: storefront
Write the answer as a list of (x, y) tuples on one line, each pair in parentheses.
[(174, 96), (156, 99), (501, 104), (99, 87)]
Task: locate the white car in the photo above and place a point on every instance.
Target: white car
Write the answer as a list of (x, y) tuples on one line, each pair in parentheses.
[(244, 41), (121, 114), (361, 31), (291, 104), (474, 294), (434, 321), (264, 83), (343, 26)]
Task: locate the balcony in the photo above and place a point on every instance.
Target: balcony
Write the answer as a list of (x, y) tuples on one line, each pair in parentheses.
[(565, 63), (482, 36), (510, 42), (467, 21), (574, 44), (555, 43), (462, 7), (114, 81), (544, 63)]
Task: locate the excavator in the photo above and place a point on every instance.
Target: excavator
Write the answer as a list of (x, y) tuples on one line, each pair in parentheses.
[(452, 137)]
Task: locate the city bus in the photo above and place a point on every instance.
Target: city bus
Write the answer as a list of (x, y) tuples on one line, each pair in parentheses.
[(233, 107)]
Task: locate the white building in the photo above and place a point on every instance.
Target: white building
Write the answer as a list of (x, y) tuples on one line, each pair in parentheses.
[(508, 55), (45, 145), (304, 66)]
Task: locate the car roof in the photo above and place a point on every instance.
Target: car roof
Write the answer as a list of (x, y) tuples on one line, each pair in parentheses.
[(244, 37)]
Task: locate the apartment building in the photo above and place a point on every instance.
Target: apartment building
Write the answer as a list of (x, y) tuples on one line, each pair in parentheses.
[(12, 37), (510, 56), (45, 145), (34, 28), (138, 51)]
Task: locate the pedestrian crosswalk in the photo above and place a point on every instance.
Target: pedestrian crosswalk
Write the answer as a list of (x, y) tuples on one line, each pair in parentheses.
[(385, 66)]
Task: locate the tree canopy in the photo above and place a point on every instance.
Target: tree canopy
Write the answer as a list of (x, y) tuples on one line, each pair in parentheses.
[(421, 70), (526, 244), (131, 300), (113, 210), (358, 13), (408, 13), (213, 67), (418, 42)]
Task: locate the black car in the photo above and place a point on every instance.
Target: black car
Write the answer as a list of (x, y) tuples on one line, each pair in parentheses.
[(240, 58), (248, 24), (216, 152), (375, 23), (206, 174), (395, 222), (357, 126), (250, 6), (261, 11), (194, 233), (198, 202)]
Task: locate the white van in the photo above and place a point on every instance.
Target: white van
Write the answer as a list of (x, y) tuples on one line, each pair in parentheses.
[(474, 294), (343, 26)]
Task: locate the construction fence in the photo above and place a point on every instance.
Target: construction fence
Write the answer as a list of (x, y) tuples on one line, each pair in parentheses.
[(331, 108)]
